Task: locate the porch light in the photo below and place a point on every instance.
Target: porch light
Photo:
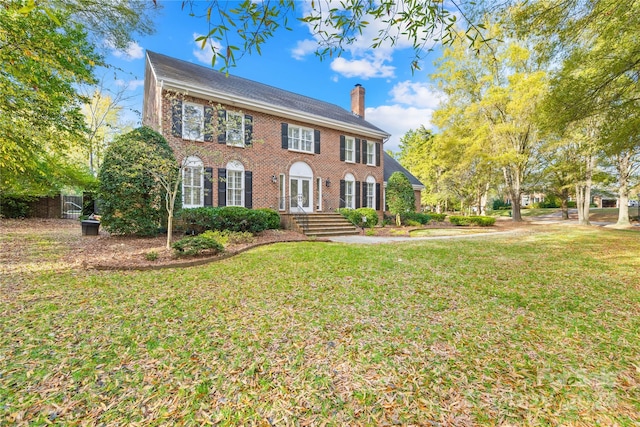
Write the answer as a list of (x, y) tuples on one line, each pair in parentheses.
[(327, 182), (274, 179)]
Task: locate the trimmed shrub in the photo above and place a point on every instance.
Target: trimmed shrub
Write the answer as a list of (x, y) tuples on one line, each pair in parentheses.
[(231, 218), (415, 217), (459, 220), (437, 217), (196, 245), (355, 216), (482, 221)]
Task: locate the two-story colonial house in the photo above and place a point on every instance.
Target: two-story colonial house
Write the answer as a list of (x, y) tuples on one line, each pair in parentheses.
[(263, 146)]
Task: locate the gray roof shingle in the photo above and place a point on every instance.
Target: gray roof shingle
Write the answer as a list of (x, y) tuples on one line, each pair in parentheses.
[(206, 78), (391, 165)]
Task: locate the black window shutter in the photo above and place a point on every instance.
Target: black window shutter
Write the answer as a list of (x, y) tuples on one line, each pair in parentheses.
[(222, 187), (208, 186), (378, 196), (342, 185), (316, 141), (364, 152), (285, 136), (222, 128), (364, 194), (248, 130), (357, 194), (357, 150), (377, 154), (248, 189), (342, 148), (176, 118), (208, 124)]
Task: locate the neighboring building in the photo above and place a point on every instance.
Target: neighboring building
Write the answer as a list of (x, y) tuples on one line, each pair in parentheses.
[(391, 165), (262, 146)]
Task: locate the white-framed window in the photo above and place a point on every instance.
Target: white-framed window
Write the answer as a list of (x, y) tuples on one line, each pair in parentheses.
[(349, 191), (192, 121), (235, 129), (300, 139), (349, 149), (370, 201), (235, 184), (371, 153), (192, 183)]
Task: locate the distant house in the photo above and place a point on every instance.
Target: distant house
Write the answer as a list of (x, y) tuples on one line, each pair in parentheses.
[(265, 147)]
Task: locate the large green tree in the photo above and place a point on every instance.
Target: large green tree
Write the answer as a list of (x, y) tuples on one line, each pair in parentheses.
[(595, 87), (47, 51), (492, 96), (399, 195)]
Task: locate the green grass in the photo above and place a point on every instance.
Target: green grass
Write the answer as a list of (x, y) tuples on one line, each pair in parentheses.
[(425, 232), (534, 329)]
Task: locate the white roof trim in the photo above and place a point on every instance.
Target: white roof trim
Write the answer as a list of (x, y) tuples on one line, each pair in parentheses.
[(169, 84)]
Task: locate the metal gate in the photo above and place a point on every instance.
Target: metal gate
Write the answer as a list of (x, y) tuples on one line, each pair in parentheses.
[(71, 206)]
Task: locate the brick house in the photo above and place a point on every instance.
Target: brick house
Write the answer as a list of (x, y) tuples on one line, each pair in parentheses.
[(263, 146)]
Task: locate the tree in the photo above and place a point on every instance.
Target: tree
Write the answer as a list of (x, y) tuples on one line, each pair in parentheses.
[(491, 104), (597, 46), (399, 195), (132, 199), (46, 53), (236, 29)]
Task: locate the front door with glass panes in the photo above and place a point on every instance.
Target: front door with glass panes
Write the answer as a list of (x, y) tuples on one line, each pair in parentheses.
[(301, 194)]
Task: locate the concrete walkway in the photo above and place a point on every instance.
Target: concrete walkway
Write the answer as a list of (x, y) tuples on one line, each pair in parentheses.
[(372, 240)]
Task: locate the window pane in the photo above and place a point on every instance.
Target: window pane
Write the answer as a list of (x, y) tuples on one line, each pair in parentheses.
[(235, 129), (192, 121)]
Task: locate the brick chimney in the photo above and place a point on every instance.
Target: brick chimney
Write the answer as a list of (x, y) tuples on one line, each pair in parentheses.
[(357, 100)]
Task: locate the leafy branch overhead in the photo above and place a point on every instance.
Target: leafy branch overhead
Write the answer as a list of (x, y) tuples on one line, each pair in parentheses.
[(236, 29)]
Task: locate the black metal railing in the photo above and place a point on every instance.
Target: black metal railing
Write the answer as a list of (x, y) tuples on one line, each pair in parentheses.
[(297, 210)]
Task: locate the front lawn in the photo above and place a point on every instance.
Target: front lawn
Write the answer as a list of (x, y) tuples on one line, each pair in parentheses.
[(539, 328)]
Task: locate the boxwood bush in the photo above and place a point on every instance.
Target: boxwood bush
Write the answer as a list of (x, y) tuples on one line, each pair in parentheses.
[(355, 216), (232, 218), (197, 245), (437, 217), (411, 218), (482, 221)]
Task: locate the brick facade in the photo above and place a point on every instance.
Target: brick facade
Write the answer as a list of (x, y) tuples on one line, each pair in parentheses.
[(266, 158)]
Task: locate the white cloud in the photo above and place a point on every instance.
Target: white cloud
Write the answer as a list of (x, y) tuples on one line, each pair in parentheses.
[(131, 52), (398, 120), (418, 94), (130, 85), (303, 48), (363, 68), (205, 55)]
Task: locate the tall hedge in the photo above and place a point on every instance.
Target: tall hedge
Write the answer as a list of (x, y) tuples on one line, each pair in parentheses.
[(132, 202)]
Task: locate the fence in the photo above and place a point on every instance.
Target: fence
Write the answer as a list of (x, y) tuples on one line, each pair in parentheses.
[(71, 206)]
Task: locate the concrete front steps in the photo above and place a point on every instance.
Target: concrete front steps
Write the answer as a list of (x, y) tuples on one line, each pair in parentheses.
[(325, 224)]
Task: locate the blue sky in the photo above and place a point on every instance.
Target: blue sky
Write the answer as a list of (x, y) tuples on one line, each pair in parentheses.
[(396, 100)]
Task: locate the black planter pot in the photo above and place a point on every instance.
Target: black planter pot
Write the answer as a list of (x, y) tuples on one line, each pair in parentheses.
[(90, 227)]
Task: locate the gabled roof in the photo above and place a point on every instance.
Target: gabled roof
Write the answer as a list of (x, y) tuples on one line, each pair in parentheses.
[(391, 165), (180, 75)]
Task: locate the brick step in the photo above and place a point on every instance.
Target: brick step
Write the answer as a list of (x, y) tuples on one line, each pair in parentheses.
[(326, 224)]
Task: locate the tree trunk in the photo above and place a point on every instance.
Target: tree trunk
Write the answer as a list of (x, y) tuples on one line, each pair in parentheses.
[(624, 168), (583, 192), (564, 204)]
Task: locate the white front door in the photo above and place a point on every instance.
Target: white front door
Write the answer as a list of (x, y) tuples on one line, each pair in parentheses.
[(301, 194)]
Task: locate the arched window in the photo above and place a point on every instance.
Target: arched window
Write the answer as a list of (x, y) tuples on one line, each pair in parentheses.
[(349, 191), (235, 183), (369, 192), (192, 183)]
